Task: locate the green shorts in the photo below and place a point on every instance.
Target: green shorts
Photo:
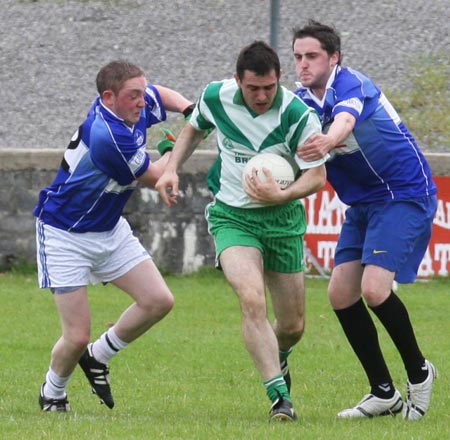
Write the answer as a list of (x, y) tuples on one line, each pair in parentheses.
[(277, 231)]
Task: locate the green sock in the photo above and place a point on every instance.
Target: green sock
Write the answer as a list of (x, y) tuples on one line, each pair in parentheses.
[(285, 353), (276, 387)]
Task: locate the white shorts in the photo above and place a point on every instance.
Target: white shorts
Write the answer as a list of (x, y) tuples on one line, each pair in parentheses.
[(70, 259)]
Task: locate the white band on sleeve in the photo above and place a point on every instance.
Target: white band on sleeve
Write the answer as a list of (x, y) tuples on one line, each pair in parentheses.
[(303, 165)]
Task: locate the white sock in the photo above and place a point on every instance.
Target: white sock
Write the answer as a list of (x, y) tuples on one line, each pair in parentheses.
[(107, 346), (55, 386)]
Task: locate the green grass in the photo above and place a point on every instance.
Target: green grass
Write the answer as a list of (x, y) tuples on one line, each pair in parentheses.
[(191, 378)]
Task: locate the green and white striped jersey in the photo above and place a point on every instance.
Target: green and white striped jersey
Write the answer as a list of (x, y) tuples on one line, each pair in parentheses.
[(242, 134)]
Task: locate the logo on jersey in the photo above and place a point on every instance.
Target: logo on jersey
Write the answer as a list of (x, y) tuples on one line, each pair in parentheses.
[(138, 159), (326, 122), (227, 143), (241, 158), (353, 103), (139, 138)]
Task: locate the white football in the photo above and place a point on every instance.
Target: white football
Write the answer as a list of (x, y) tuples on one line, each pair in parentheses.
[(280, 168)]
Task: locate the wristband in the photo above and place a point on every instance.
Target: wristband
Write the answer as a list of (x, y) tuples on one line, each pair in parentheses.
[(188, 110)]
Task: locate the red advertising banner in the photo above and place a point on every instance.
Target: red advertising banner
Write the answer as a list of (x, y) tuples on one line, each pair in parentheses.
[(325, 214)]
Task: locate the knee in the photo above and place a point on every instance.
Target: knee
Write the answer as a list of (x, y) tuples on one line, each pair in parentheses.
[(253, 306), (336, 300), (166, 303), (374, 293), (292, 331), (342, 298), (77, 340), (157, 303), (374, 297)]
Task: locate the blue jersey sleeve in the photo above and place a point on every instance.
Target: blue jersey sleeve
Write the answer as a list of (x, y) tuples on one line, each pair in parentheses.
[(154, 108), (114, 151), (355, 94)]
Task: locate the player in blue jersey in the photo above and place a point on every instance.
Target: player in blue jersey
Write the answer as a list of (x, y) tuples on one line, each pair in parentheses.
[(377, 168), (82, 237), (258, 232)]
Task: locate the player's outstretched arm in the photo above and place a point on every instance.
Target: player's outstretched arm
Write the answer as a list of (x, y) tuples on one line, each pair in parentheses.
[(154, 171), (320, 144), (173, 100), (167, 184)]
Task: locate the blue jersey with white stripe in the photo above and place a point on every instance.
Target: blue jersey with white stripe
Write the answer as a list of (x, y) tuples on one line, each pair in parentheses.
[(380, 160), (99, 169)]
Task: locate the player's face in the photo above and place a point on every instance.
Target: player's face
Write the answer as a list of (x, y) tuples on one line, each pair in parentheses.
[(313, 64), (258, 91), (129, 102)]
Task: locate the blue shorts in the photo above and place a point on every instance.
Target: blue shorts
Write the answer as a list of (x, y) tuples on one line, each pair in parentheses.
[(393, 235)]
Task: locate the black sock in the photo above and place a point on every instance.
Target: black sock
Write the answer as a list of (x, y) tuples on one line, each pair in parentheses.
[(393, 315), (362, 335)]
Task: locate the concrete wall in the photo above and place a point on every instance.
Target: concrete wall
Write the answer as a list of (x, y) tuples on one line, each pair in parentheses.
[(177, 237)]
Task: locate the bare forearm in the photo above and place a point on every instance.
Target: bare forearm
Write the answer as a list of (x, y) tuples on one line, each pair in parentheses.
[(154, 171), (310, 182), (186, 143), (319, 145), (341, 128), (173, 100), (167, 185)]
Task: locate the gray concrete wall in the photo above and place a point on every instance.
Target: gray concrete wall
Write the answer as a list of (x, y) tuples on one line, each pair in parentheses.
[(177, 237)]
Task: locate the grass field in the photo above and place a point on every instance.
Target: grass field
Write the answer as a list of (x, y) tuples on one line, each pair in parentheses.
[(191, 378)]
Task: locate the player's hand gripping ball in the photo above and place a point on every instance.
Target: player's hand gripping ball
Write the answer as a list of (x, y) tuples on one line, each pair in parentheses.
[(280, 168)]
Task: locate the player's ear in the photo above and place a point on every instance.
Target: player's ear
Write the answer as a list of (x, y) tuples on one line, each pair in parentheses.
[(334, 59), (108, 97)]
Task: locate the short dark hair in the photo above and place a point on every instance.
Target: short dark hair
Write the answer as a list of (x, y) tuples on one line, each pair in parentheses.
[(114, 74), (328, 36), (258, 57)]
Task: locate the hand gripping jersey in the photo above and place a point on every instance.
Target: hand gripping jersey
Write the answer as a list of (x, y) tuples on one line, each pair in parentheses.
[(380, 160), (99, 169), (242, 134)]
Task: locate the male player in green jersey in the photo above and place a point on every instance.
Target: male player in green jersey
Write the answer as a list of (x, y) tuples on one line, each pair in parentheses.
[(258, 232)]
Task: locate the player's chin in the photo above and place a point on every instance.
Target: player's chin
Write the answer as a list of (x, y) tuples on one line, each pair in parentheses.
[(306, 80), (133, 119), (261, 108)]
